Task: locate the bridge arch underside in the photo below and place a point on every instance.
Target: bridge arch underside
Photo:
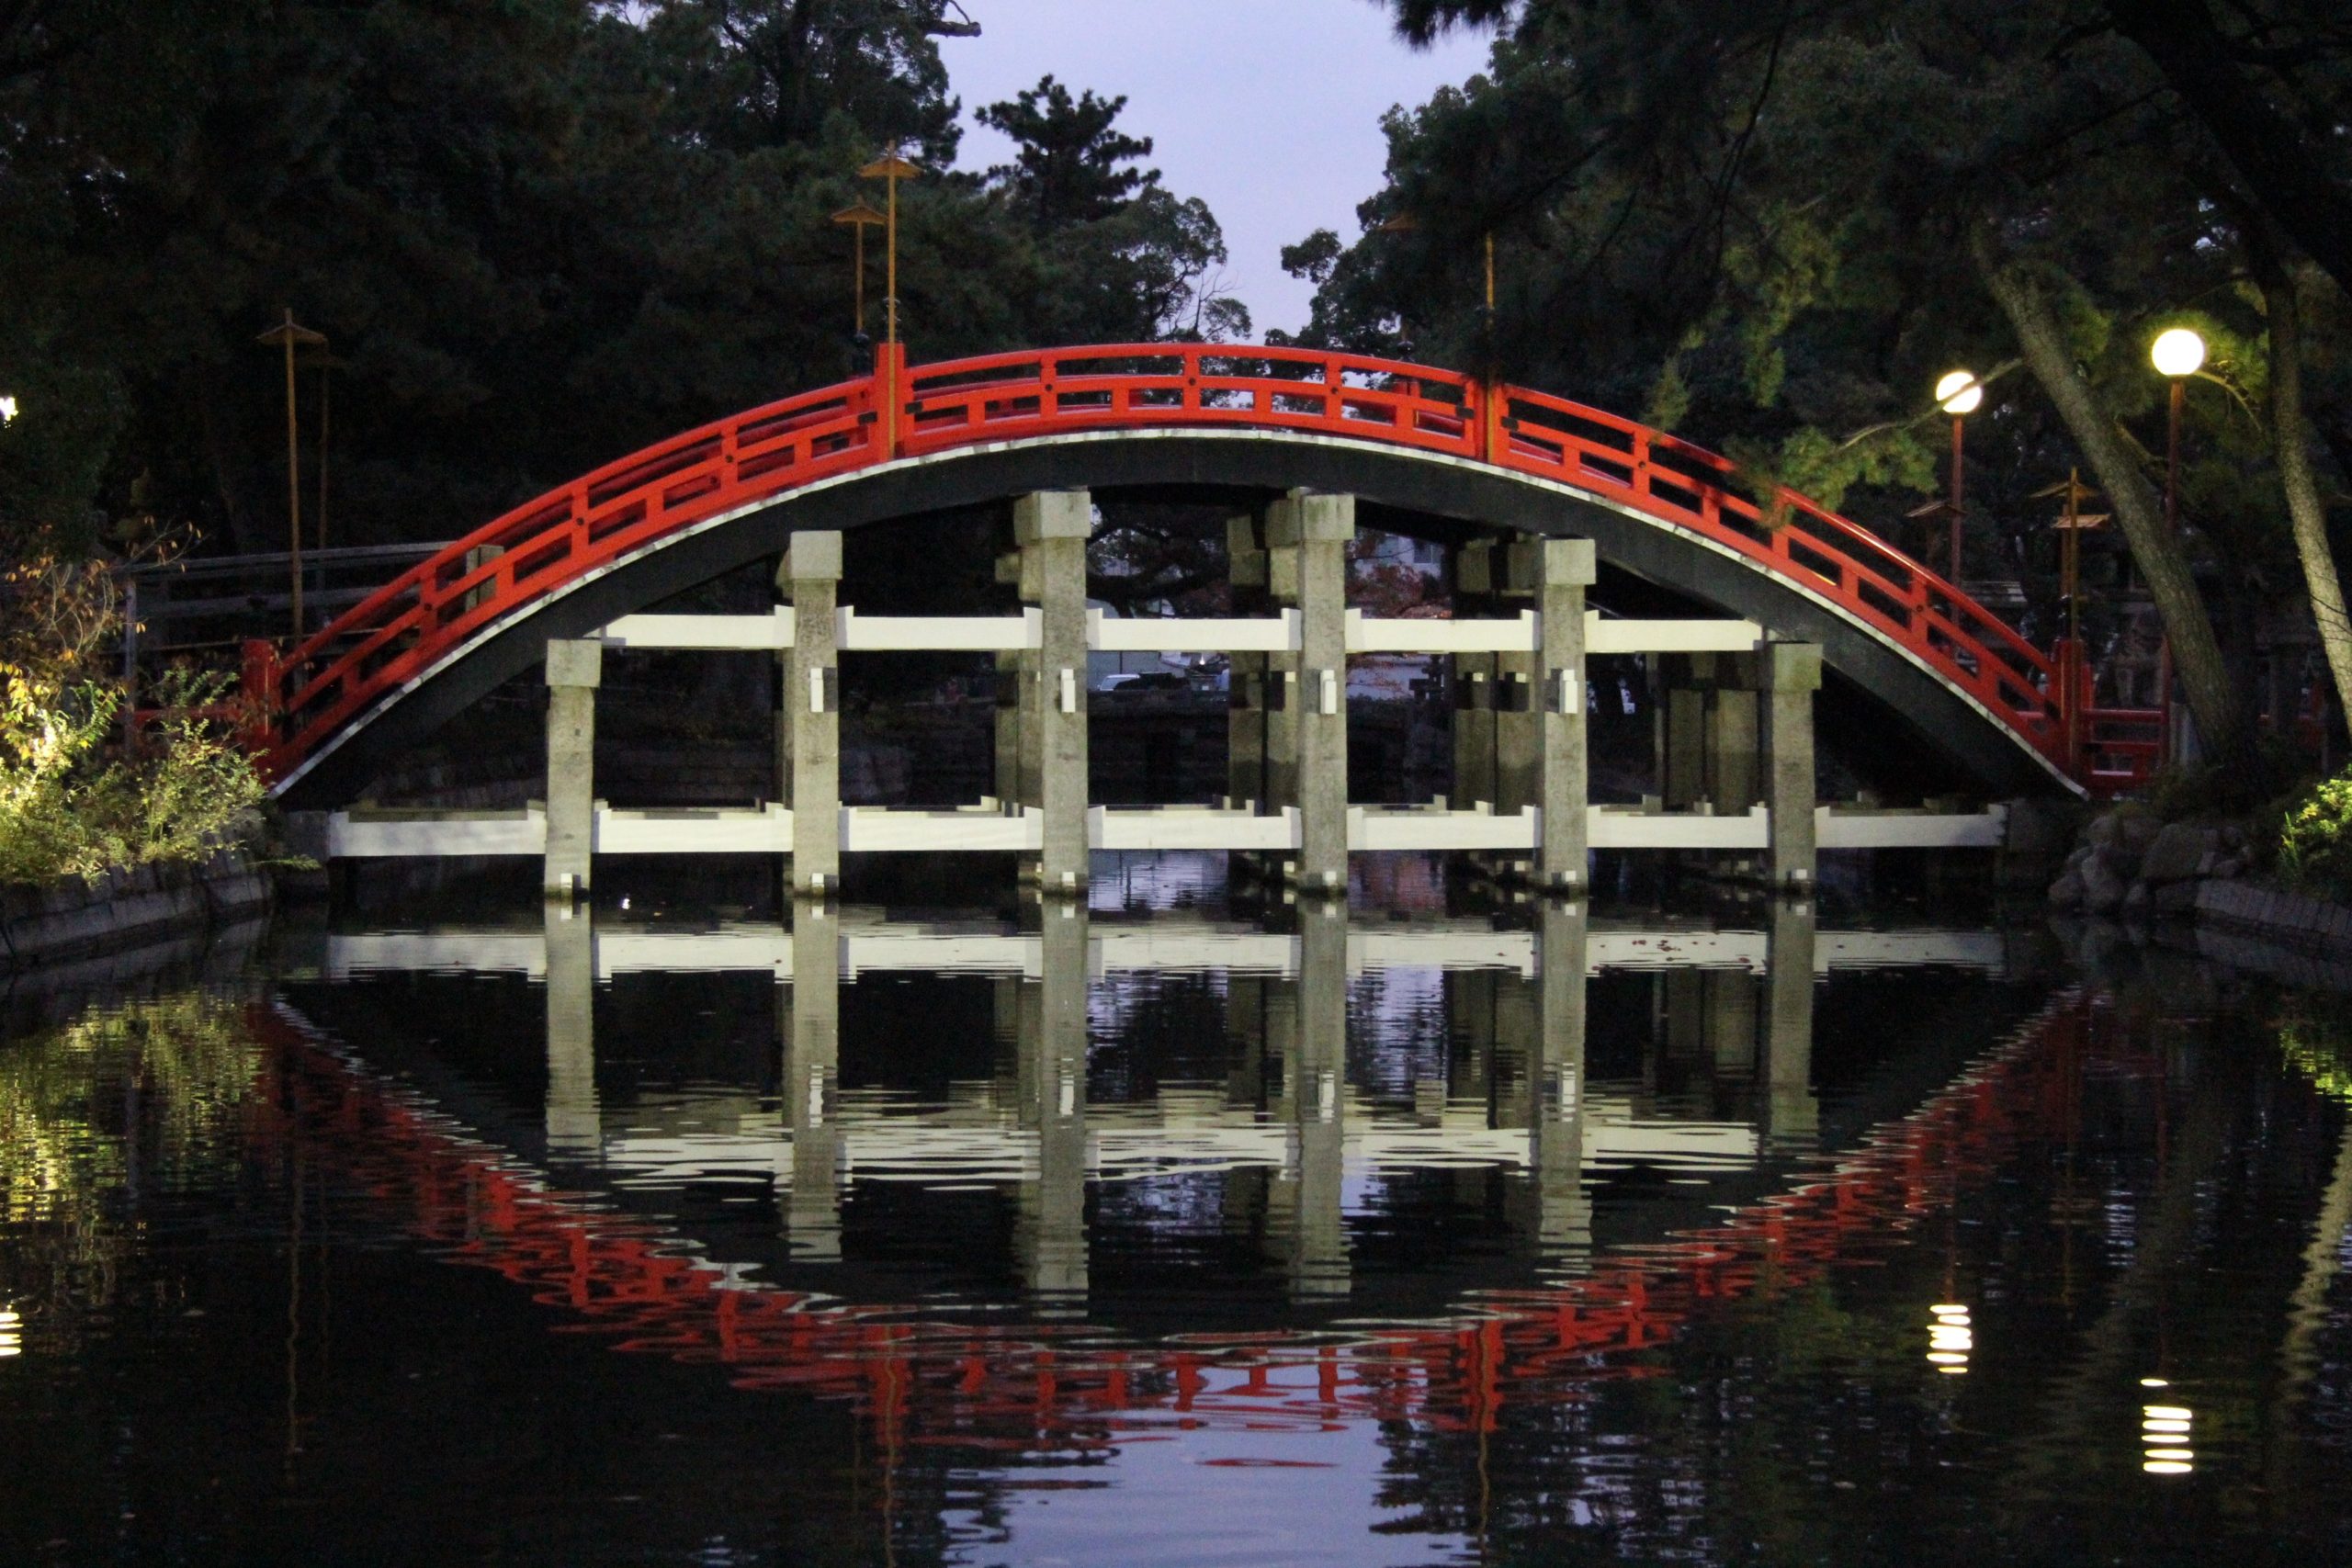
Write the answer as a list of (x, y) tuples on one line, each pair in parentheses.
[(1923, 728)]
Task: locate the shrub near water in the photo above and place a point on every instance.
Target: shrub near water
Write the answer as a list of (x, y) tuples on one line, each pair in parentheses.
[(2315, 838), (75, 801)]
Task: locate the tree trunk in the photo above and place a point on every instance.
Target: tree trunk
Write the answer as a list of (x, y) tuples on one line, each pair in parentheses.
[(2164, 565), (2305, 511)]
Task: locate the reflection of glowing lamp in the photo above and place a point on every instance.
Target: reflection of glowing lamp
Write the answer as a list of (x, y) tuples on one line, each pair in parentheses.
[(1949, 1339), (2164, 1436), (11, 1341)]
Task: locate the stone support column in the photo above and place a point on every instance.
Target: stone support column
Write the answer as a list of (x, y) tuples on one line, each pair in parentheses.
[(812, 1209), (574, 1124), (1245, 753), (1565, 568), (574, 671), (1788, 675), (1474, 681), (1518, 717), (811, 579), (1052, 527), (1791, 1116), (1307, 536)]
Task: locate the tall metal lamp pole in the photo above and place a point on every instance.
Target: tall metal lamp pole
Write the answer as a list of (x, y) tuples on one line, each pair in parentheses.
[(288, 336)]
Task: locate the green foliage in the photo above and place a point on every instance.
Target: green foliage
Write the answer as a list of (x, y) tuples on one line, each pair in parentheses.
[(539, 234), (2315, 838), (70, 805)]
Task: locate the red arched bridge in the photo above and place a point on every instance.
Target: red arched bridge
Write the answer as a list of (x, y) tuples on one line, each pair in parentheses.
[(381, 676)]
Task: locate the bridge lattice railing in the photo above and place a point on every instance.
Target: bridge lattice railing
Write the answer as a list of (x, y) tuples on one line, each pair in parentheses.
[(429, 612)]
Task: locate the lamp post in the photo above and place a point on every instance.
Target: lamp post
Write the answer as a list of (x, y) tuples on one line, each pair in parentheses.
[(860, 217), (2176, 353), (1958, 393), (287, 336), (889, 168)]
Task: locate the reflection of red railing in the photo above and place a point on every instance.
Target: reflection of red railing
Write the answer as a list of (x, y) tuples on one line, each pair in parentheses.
[(424, 614), (1032, 1386)]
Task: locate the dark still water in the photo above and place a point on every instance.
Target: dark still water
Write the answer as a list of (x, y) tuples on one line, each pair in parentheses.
[(1127, 1235)]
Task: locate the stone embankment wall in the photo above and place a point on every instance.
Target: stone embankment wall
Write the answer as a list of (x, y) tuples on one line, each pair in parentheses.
[(2132, 866), (72, 918)]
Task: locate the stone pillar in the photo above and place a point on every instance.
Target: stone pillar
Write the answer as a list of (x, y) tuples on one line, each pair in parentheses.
[(811, 578), (813, 1058), (1011, 674), (1565, 569), (1519, 718), (1051, 1228), (1682, 709), (1315, 1071), (1052, 527), (574, 670), (1306, 539), (1474, 681), (1791, 1116), (1245, 766), (574, 1125), (1556, 1077), (1788, 675)]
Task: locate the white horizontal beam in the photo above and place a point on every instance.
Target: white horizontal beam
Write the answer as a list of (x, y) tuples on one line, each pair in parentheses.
[(723, 830), (1174, 634), (1373, 829), (1189, 827), (1607, 635), (1159, 946), (953, 634), (874, 829), (369, 835), (771, 631), (1845, 828), (1632, 828), (1400, 634)]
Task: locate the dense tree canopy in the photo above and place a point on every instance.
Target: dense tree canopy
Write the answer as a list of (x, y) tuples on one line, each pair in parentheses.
[(1773, 226), (538, 234)]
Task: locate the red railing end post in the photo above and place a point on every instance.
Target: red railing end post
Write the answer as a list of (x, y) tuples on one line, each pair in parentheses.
[(889, 379)]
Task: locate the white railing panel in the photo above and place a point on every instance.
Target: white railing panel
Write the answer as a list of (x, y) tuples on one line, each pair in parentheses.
[(1382, 828), (1189, 828), (1400, 635), (951, 634), (1843, 829), (1148, 634), (426, 836), (1602, 634), (874, 829), (1630, 827), (736, 830)]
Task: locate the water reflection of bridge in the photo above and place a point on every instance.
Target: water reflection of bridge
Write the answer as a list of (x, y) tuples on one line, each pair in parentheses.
[(1289, 1117), (1293, 1118)]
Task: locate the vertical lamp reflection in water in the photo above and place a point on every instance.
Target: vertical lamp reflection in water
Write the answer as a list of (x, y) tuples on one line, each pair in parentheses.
[(12, 1341), (1950, 1338), (2164, 1435)]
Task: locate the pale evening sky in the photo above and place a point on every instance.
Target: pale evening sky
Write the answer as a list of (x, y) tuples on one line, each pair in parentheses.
[(1269, 111)]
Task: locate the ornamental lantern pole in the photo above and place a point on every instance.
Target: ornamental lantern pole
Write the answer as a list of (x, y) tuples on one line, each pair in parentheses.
[(287, 336)]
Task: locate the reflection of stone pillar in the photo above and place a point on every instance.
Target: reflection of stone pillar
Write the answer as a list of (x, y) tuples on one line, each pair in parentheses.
[(1307, 539), (1789, 673), (1555, 1136), (811, 579), (1565, 569), (1792, 1117), (575, 1128), (1731, 1025), (574, 670), (1052, 527), (812, 1062), (1052, 1226), (1245, 765), (1315, 1070)]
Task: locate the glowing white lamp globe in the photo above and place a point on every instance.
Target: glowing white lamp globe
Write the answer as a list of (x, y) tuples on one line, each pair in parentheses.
[(2177, 352), (1959, 392), (7, 409)]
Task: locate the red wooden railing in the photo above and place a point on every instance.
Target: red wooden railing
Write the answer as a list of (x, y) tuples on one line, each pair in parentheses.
[(1021, 1385), (421, 616)]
